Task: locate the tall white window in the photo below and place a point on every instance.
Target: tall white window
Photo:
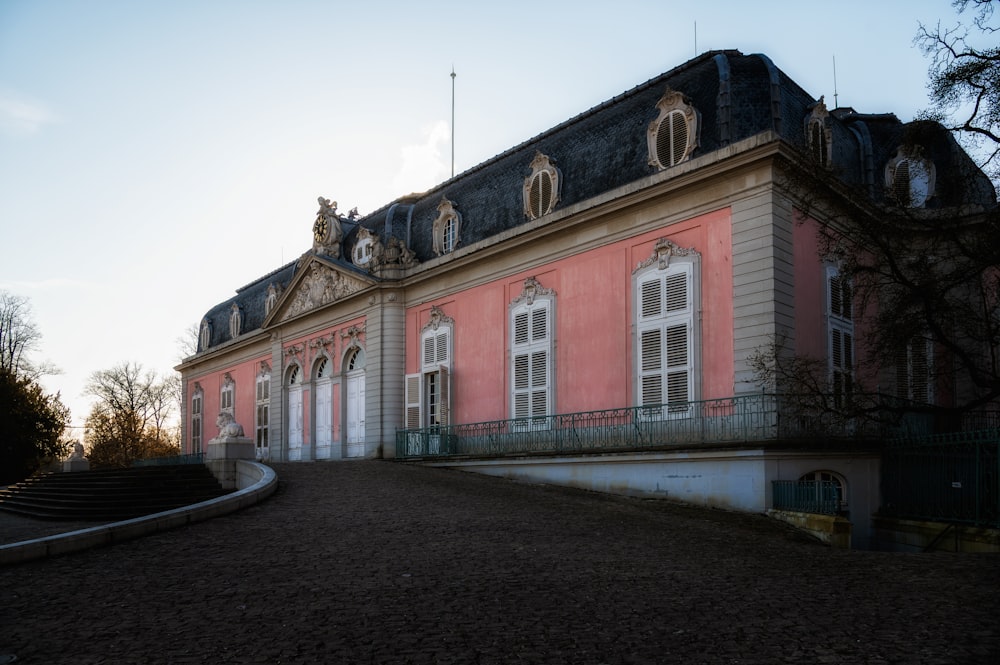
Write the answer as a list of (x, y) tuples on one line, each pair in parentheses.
[(428, 393), (532, 323), (664, 309), (840, 318), (263, 413), (227, 396), (197, 401), (295, 415)]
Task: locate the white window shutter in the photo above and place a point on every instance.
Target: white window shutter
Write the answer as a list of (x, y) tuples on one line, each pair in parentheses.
[(444, 405), (412, 399)]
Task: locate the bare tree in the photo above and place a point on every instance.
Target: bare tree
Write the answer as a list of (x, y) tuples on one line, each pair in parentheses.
[(129, 420), (965, 80), (19, 337)]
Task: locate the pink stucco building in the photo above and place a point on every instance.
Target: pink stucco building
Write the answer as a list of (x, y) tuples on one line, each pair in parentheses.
[(630, 261)]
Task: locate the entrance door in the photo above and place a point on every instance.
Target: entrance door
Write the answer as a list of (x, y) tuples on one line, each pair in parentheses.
[(295, 423), (356, 414), (324, 424)]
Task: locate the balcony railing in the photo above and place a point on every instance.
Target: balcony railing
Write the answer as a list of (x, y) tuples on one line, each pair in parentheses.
[(740, 419)]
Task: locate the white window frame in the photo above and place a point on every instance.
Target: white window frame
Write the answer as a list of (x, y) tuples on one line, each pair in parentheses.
[(262, 415), (227, 396), (840, 335), (197, 420), (658, 326), (532, 398)]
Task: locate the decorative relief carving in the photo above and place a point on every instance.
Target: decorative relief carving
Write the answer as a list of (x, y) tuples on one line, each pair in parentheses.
[(532, 289), (326, 342), (323, 285), (327, 231), (265, 367), (662, 252), (197, 387), (436, 319), (294, 355), (227, 379), (354, 333)]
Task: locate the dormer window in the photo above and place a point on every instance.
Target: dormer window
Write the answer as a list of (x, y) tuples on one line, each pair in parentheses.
[(447, 228), (909, 177), (235, 321), (541, 188), (272, 299), (818, 133), (204, 335), (673, 136), (364, 247)]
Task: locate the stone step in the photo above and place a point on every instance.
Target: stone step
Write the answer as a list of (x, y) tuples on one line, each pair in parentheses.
[(113, 494)]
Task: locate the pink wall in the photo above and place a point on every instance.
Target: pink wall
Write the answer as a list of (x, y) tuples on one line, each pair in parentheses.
[(593, 344), (244, 378)]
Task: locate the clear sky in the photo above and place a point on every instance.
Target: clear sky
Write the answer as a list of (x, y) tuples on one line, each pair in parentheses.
[(155, 156)]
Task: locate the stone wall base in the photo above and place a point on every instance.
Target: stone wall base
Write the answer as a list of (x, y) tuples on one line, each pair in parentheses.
[(833, 530)]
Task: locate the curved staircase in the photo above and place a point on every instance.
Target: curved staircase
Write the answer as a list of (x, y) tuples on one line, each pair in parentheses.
[(110, 494)]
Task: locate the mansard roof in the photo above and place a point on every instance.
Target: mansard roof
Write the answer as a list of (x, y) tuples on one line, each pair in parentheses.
[(737, 96)]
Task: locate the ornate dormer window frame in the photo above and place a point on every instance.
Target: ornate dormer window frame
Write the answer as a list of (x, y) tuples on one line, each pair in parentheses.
[(363, 251), (447, 228), (235, 321), (204, 334), (542, 187), (819, 135), (674, 135), (910, 177), (273, 292)]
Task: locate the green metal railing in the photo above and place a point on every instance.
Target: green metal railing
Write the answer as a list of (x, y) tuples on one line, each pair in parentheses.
[(193, 458), (740, 419), (945, 477), (806, 496)]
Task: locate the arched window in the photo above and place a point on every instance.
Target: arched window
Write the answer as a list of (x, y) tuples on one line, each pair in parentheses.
[(673, 136), (830, 487), (355, 361), (227, 395)]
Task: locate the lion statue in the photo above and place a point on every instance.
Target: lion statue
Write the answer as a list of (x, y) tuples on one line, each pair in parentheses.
[(228, 427)]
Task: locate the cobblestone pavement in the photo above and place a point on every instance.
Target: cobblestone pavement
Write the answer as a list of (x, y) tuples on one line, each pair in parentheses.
[(377, 562)]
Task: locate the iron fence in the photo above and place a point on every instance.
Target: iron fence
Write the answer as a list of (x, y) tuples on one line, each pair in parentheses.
[(945, 477), (739, 419), (806, 496)]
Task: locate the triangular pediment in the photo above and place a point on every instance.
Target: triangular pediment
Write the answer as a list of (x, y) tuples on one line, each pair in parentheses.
[(317, 283)]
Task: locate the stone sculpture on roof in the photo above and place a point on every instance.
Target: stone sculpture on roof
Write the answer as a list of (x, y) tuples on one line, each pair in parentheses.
[(327, 231)]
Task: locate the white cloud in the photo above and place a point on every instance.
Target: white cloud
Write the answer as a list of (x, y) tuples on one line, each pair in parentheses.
[(20, 116), (423, 165)]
